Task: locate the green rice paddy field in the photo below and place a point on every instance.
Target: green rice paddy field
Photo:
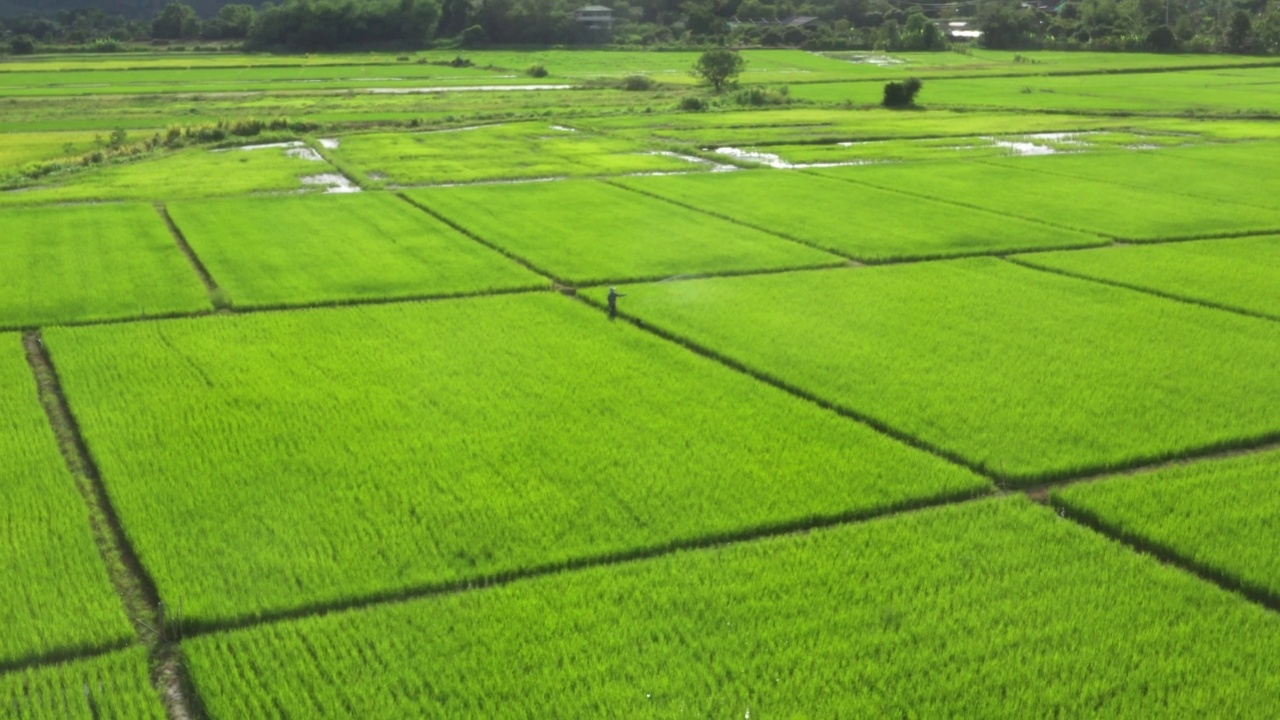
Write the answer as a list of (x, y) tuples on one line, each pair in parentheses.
[(313, 402)]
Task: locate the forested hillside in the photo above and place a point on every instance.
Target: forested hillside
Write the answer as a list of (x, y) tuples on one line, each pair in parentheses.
[(131, 9), (1232, 26)]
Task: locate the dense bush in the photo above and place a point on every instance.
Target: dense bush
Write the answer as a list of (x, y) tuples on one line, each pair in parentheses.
[(902, 94), (473, 37), (1162, 39), (536, 71), (176, 20), (921, 33), (22, 45), (637, 83), (106, 45), (329, 24), (758, 96), (693, 104)]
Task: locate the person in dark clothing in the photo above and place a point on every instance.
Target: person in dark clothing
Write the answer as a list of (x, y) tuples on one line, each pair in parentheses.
[(613, 302)]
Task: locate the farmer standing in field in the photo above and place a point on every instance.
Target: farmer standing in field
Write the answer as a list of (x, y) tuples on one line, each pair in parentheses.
[(613, 302)]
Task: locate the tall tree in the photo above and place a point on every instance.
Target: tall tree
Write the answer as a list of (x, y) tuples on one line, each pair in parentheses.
[(176, 20), (1239, 32), (453, 17), (719, 67), (237, 19)]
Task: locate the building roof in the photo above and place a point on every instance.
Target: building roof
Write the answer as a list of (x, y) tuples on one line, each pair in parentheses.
[(594, 8)]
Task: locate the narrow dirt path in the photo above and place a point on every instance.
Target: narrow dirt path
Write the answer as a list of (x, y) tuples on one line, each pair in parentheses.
[(217, 296), (158, 628)]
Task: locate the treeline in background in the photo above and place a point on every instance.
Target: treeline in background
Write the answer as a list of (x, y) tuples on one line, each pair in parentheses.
[(1236, 26)]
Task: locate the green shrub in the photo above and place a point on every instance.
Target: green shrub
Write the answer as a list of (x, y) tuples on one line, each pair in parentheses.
[(22, 45), (1162, 39), (902, 94), (693, 104), (247, 127), (106, 45), (536, 71), (760, 96), (473, 37), (637, 83)]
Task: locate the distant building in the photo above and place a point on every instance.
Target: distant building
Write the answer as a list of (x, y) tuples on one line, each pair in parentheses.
[(799, 21), (595, 17), (963, 30)]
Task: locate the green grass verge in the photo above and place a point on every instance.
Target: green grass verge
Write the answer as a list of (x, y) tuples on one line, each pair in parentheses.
[(1236, 273), (18, 149), (270, 462), (138, 80), (588, 232), (1219, 516), (1090, 205), (995, 609), (1234, 173), (812, 125), (1027, 374), (92, 262), (496, 152), (324, 248), (144, 114), (194, 173), (855, 220), (1076, 145), (108, 687), (56, 598), (1225, 91)]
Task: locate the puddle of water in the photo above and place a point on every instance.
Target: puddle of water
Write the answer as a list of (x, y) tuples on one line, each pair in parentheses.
[(870, 59), (304, 153), (1032, 146), (1020, 145), (659, 174), (466, 128), (764, 158), (334, 183), (1024, 149), (330, 143), (1072, 138), (466, 88), (562, 128), (268, 146), (775, 161), (715, 166), (882, 60), (520, 181)]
